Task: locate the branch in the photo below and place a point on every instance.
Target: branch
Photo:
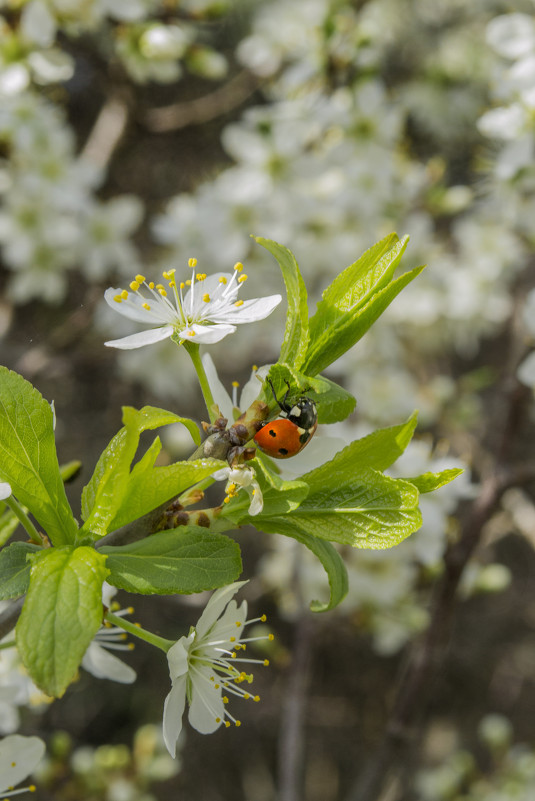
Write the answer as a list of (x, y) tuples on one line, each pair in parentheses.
[(203, 109), (106, 133)]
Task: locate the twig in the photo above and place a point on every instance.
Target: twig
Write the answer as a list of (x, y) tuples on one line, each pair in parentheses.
[(291, 737), (202, 109), (106, 133), (9, 617)]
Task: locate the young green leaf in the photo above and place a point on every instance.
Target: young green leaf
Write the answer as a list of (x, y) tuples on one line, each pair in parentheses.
[(28, 458), (8, 523), (377, 451), (365, 510), (295, 341), (104, 494), (149, 486), (333, 564), (185, 560), (428, 482), (15, 569), (334, 403), (61, 614)]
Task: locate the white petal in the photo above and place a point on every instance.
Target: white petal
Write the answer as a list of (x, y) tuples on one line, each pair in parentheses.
[(206, 334), (210, 286), (18, 757), (257, 500), (251, 389), (177, 656), (250, 312), (133, 309), (215, 606), (37, 24), (103, 665), (173, 710), (220, 394), (5, 490), (207, 711), (141, 339)]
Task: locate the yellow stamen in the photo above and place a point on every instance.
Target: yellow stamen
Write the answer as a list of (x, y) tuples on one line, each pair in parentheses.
[(254, 368), (263, 618), (134, 286), (201, 276), (151, 285), (188, 282), (140, 278), (182, 285), (227, 499), (117, 298), (241, 279), (256, 698), (238, 624), (225, 699), (238, 723), (239, 303), (191, 333), (238, 266), (146, 306), (233, 639), (222, 280), (227, 724), (266, 662), (124, 294), (235, 383), (271, 637), (162, 292), (192, 262), (218, 720), (206, 298)]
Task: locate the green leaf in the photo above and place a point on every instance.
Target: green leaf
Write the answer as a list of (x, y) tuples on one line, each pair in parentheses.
[(348, 310), (15, 569), (149, 486), (333, 402), (185, 560), (8, 523), (103, 496), (333, 564), (365, 510), (295, 341), (377, 451), (428, 482), (61, 614), (28, 459)]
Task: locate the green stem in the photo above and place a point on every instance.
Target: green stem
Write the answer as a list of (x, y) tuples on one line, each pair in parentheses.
[(9, 644), (137, 631), (193, 351), (19, 512)]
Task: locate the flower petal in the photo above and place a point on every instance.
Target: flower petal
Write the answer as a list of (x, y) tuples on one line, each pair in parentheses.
[(173, 709), (18, 757), (249, 312), (206, 334), (5, 490), (220, 394), (141, 339), (215, 606), (207, 711), (103, 665), (130, 310), (177, 656)]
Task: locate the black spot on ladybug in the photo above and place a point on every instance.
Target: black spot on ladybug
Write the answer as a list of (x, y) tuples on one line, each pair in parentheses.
[(283, 451), (272, 433)]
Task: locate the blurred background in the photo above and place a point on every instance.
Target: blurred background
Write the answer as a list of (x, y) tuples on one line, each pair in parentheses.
[(135, 134)]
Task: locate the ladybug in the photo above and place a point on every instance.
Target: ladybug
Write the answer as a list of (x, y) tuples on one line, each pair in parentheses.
[(291, 431)]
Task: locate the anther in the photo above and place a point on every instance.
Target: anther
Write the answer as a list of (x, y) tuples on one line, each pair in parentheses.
[(241, 279), (206, 297), (222, 280), (239, 303), (151, 285), (140, 279), (134, 286), (191, 333), (266, 662), (146, 306), (192, 262), (263, 618), (238, 266), (238, 723), (124, 294), (117, 298)]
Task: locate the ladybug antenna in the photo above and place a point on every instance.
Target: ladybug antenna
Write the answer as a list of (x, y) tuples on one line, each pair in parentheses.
[(281, 404)]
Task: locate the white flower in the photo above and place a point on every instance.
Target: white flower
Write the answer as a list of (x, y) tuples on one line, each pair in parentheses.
[(229, 405), (97, 660), (208, 312), (202, 667), (18, 757), (238, 478), (5, 490)]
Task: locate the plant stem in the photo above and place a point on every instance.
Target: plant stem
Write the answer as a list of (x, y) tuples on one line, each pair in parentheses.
[(193, 351), (19, 512), (137, 631), (9, 644)]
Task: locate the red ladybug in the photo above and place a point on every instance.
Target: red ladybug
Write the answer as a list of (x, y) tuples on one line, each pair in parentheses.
[(289, 433)]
